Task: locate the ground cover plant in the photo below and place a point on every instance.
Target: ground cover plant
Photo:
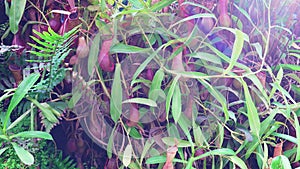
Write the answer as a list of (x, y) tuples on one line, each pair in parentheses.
[(150, 84)]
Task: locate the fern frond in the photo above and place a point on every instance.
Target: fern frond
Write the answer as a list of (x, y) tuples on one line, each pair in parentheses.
[(54, 47)]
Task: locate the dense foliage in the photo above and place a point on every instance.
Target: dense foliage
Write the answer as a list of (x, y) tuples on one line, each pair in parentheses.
[(150, 84)]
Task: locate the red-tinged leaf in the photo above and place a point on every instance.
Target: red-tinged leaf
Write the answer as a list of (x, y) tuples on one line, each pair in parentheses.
[(278, 149), (134, 116), (177, 63), (171, 152), (104, 58)]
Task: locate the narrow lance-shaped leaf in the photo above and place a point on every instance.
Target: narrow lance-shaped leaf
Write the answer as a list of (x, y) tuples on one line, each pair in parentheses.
[(93, 55), (21, 91), (33, 134), (116, 95), (237, 49), (170, 95), (143, 101), (156, 84), (176, 104), (252, 113)]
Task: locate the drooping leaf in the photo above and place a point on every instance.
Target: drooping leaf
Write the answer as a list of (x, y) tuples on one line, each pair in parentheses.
[(93, 55), (25, 156), (237, 49)]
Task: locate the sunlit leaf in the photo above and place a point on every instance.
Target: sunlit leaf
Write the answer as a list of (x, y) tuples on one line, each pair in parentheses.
[(281, 162), (25, 156), (237, 161), (127, 155), (2, 150), (143, 101)]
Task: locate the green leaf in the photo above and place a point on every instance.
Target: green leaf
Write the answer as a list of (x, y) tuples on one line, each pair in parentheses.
[(25, 156), (33, 134), (176, 104), (123, 48), (207, 57), (47, 111), (237, 49), (93, 55), (217, 95), (156, 84), (171, 141), (16, 11), (127, 155), (18, 120), (170, 95), (160, 5), (252, 113), (116, 95), (146, 148), (288, 67), (239, 162), (297, 127), (143, 101), (286, 137), (281, 162), (137, 4), (110, 143), (20, 93), (192, 17), (156, 160), (2, 150), (222, 151)]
